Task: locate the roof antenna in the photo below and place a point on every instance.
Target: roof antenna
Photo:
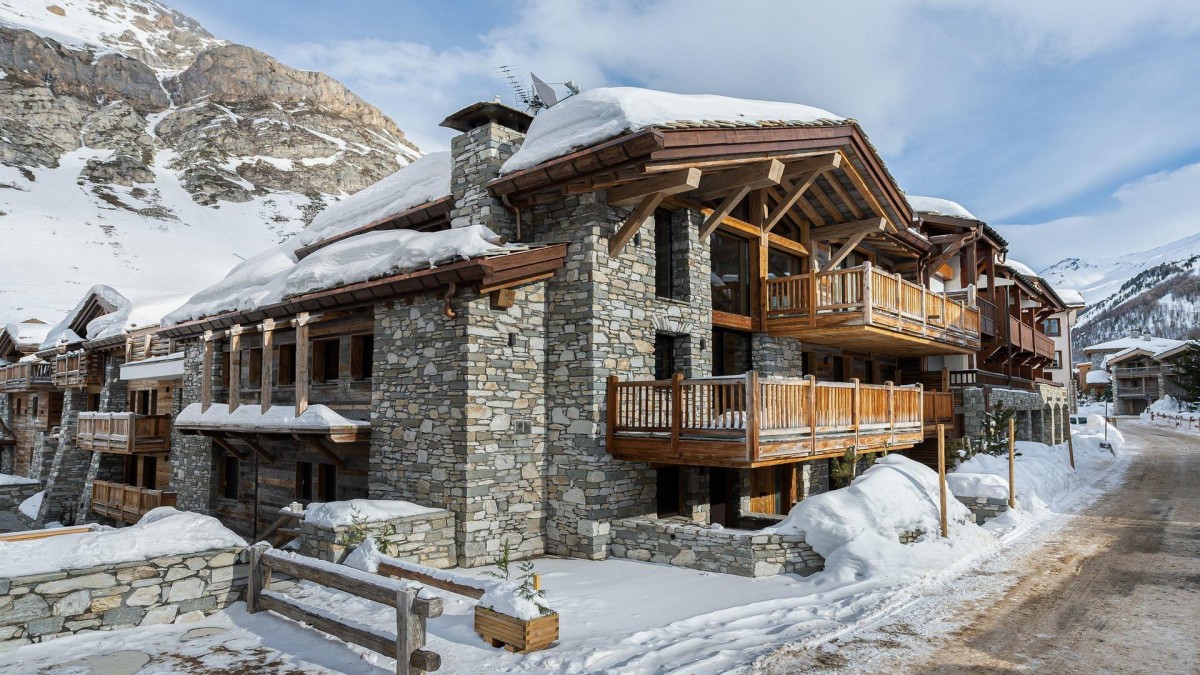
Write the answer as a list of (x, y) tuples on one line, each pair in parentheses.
[(540, 95)]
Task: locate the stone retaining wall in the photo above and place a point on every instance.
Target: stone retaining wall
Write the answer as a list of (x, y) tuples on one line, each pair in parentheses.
[(11, 496), (747, 554), (41, 607), (984, 509), (426, 539)]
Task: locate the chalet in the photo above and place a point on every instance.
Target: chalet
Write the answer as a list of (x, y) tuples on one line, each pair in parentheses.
[(27, 412), (1060, 327), (1139, 369), (638, 309)]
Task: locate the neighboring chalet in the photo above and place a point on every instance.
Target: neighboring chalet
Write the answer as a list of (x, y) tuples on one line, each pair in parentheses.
[(29, 407), (638, 309), (1139, 368)]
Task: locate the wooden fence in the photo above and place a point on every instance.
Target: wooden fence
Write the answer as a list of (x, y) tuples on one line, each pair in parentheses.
[(411, 611), (1179, 421), (127, 503)]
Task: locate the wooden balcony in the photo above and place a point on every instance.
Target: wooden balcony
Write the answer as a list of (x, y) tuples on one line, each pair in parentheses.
[(127, 503), (937, 408), (123, 433), (1023, 337), (20, 377), (747, 421), (77, 370), (866, 309), (1143, 371)]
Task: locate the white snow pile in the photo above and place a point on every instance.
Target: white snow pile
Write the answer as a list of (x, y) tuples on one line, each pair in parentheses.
[(252, 417), (1071, 297), (939, 207), (857, 528), (600, 114), (1020, 268), (1170, 405), (498, 596), (6, 479), (1098, 377), (1088, 439), (26, 332), (162, 531), (338, 514), (1043, 474), (29, 508)]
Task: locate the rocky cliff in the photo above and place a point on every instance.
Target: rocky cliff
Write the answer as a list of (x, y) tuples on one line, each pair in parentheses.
[(131, 136)]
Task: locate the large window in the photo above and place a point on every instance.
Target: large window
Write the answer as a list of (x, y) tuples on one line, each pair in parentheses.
[(730, 273), (780, 264), (664, 254), (731, 352), (1052, 327), (1057, 360)]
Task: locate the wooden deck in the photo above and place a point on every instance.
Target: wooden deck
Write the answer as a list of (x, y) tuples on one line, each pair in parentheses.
[(77, 370), (127, 503), (866, 309), (20, 377), (123, 433), (748, 421)]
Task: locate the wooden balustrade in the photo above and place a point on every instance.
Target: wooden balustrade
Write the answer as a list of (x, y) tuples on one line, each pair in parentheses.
[(123, 433), (26, 376), (127, 503), (1141, 371), (77, 370), (834, 306), (748, 420)]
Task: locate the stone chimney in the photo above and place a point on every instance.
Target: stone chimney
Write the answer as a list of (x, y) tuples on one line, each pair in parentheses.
[(1146, 335), (491, 133)]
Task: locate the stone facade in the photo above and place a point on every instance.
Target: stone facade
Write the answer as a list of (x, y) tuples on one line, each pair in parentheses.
[(683, 544), (984, 509), (161, 590), (192, 456), (11, 496), (1042, 416), (64, 483), (7, 452), (425, 539)]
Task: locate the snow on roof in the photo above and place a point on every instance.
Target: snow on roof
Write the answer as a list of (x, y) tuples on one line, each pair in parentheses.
[(29, 331), (425, 180), (276, 418), (1020, 268), (1126, 353), (335, 514), (600, 114), (1098, 377), (1071, 297), (132, 316), (939, 207), (1155, 345), (62, 333), (162, 531)]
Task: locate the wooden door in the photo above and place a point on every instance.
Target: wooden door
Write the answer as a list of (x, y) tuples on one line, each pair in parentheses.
[(764, 490)]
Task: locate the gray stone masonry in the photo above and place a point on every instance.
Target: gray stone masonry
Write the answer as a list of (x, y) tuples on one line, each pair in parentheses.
[(45, 444), (777, 356), (7, 452), (11, 496), (684, 544), (41, 607), (984, 509), (425, 539), (1040, 415), (478, 155), (192, 456), (64, 483)]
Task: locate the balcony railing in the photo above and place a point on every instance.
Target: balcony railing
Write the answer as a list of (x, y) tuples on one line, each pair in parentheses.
[(76, 370), (836, 305), (1024, 337), (1149, 389), (1141, 371), (123, 433), (26, 376), (127, 503), (748, 421)]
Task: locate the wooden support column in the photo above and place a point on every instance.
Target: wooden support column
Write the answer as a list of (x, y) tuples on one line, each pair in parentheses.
[(303, 359), (752, 421), (866, 293), (235, 366), (941, 436), (206, 376), (267, 380), (1012, 463)]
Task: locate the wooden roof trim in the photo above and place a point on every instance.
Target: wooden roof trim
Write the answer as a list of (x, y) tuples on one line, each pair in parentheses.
[(620, 151), (418, 215), (482, 271)]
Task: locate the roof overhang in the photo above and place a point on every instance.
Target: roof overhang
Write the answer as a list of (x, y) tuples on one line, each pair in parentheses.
[(169, 367)]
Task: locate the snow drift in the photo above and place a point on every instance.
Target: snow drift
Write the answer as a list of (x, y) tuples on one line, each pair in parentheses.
[(1043, 474), (338, 514)]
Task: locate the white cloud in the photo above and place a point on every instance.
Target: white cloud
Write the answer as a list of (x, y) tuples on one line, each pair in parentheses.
[(1152, 211)]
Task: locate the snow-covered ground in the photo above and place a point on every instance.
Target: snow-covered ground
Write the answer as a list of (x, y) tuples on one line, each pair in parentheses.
[(628, 616)]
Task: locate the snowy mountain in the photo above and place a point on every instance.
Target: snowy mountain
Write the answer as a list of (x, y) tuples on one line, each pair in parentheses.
[(1156, 290), (141, 152)]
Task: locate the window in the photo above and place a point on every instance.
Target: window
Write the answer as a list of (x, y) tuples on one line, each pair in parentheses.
[(731, 352), (1057, 360), (328, 482), (780, 264), (225, 366), (362, 351), (669, 496), (664, 254), (664, 356), (1052, 327), (730, 273), (304, 481), (286, 372), (150, 473), (254, 359), (230, 474), (131, 470), (327, 358)]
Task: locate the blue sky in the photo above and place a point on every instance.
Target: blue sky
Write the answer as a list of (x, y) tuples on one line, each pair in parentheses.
[(1070, 124)]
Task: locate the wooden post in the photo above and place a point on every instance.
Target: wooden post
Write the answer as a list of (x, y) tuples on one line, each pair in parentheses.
[(812, 289), (235, 367), (812, 410), (206, 373), (676, 412), (258, 580), (1012, 463), (941, 435), (891, 402), (267, 379), (610, 413), (752, 415), (866, 292), (945, 379), (856, 411), (410, 632), (302, 362), (1070, 446)]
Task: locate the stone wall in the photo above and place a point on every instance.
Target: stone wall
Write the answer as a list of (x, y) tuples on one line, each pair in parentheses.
[(192, 456), (64, 483), (1025, 403), (984, 509), (7, 452), (141, 593), (426, 539), (683, 544), (778, 356), (11, 496)]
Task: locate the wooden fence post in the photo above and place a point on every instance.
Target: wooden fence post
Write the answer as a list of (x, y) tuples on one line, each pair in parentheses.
[(941, 434), (752, 415), (259, 579), (410, 632), (676, 412), (1070, 446), (1012, 463)]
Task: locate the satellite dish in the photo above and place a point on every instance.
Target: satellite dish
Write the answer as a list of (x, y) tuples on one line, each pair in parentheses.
[(544, 91)]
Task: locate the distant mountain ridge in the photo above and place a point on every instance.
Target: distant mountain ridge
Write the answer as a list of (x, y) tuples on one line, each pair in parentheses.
[(144, 153)]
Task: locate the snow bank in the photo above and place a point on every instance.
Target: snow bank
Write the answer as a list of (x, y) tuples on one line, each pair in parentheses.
[(939, 207), (600, 114), (498, 596), (1043, 474), (1088, 439), (336, 514), (252, 417), (6, 479), (1098, 377), (30, 507), (162, 531), (1167, 404)]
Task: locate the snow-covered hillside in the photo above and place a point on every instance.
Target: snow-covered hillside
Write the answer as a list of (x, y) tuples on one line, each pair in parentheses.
[(141, 152), (1099, 279)]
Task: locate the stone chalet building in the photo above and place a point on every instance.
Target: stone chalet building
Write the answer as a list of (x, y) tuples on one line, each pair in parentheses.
[(635, 329), (1138, 367)]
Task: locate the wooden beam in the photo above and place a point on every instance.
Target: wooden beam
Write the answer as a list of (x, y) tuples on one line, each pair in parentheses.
[(844, 251), (319, 445), (796, 190), (258, 449), (206, 393), (634, 222), (671, 183), (235, 367), (819, 164), (865, 227), (714, 219), (845, 197), (751, 176), (267, 376), (503, 298), (225, 445), (941, 258), (303, 359), (810, 212), (825, 202)]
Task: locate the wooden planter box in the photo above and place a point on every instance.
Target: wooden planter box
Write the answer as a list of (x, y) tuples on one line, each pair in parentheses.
[(516, 635)]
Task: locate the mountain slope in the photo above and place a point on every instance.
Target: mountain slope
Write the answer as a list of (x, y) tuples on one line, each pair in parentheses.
[(141, 152)]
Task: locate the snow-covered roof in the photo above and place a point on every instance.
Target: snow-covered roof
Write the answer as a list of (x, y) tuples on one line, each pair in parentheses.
[(1071, 297), (1020, 268), (133, 310), (1098, 377), (279, 418), (1126, 353), (27, 332), (1172, 352), (597, 115), (1149, 343), (937, 206)]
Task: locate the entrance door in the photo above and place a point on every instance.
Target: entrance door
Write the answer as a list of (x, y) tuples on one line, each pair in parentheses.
[(664, 356), (773, 489), (719, 483)]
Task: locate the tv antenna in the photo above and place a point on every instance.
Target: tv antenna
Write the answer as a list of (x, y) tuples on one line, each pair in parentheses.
[(539, 95)]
